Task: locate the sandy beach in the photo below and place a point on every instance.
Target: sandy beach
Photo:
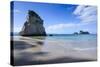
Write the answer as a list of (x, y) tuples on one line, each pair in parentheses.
[(38, 50)]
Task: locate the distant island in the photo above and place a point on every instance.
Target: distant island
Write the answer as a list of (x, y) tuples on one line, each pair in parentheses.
[(76, 33), (82, 32)]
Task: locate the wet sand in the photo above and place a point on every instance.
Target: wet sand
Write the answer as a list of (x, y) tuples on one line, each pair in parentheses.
[(32, 51)]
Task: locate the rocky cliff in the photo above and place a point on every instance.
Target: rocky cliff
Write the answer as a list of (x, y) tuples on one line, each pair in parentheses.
[(33, 26)]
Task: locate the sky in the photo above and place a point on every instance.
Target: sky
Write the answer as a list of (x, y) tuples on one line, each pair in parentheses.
[(58, 18)]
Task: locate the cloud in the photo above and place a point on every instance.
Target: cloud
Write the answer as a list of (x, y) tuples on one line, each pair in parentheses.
[(62, 26), (17, 11), (86, 14), (78, 10), (59, 26)]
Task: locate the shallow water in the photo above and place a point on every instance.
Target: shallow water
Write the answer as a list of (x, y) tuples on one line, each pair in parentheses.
[(74, 41)]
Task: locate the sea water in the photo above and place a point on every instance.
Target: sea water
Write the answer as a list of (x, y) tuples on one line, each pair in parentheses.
[(80, 41)]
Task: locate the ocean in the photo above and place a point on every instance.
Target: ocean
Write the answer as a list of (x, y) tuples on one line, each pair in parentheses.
[(81, 42)]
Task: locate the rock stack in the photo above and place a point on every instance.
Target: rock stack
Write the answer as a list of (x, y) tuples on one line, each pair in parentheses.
[(33, 26)]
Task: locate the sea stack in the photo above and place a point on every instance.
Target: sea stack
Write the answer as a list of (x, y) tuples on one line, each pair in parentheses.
[(33, 26)]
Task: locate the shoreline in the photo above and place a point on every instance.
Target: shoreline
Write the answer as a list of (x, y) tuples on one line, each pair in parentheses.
[(28, 51)]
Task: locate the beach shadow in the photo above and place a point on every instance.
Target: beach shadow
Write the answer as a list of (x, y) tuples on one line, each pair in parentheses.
[(28, 58), (40, 38), (40, 42), (20, 45), (40, 53), (26, 61)]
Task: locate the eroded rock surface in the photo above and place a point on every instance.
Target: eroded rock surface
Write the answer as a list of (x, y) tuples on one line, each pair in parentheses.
[(33, 26)]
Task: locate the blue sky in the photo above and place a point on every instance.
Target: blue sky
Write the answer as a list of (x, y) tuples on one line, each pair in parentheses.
[(58, 18)]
